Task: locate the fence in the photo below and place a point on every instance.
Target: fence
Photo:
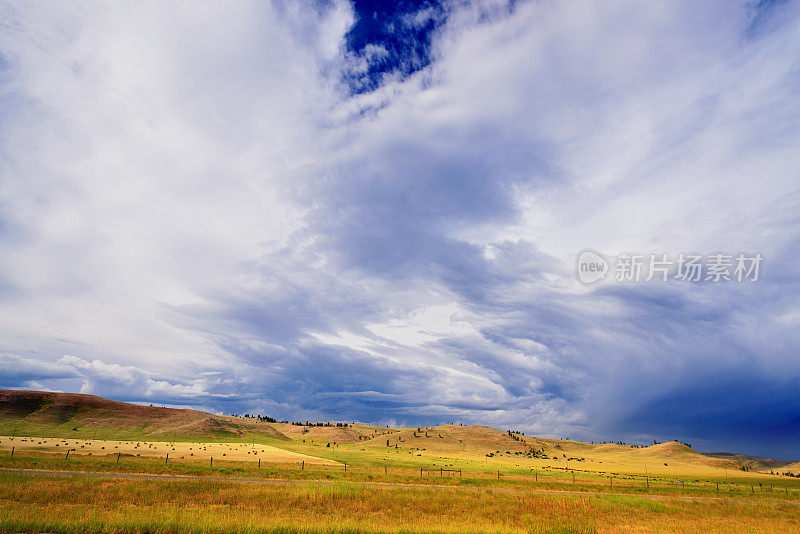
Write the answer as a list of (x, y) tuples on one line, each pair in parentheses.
[(441, 471), (620, 482)]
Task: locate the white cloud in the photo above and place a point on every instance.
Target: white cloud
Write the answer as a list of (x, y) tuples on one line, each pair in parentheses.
[(195, 207), (145, 153)]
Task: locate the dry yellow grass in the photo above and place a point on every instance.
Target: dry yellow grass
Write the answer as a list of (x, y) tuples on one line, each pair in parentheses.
[(472, 444), (488, 458), (42, 413), (792, 468), (382, 491), (77, 418), (160, 449), (354, 503), (51, 504), (350, 434), (479, 449)]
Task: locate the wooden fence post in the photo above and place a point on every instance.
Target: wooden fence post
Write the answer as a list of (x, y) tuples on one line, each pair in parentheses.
[(420, 472), (166, 459), (212, 462), (303, 466), (118, 457), (12, 452), (441, 472), (385, 470), (259, 463), (67, 456)]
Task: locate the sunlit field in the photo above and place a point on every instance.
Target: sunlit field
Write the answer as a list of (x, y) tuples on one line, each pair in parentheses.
[(303, 484), (160, 449), (72, 463), (57, 504), (399, 266)]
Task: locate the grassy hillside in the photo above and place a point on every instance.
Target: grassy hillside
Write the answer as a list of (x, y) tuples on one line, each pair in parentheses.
[(450, 439), (793, 468), (39, 413), (354, 478), (755, 463), (87, 417)]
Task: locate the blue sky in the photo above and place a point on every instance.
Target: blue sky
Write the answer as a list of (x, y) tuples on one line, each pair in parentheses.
[(372, 212)]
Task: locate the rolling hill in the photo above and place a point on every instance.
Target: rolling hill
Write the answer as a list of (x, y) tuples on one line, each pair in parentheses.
[(67, 415), (793, 468), (755, 463), (39, 413)]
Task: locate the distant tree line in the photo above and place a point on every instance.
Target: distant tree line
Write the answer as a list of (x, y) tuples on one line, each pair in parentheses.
[(265, 418), (338, 425), (655, 442), (268, 419)]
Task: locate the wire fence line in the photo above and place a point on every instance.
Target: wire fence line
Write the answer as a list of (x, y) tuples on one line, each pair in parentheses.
[(536, 476)]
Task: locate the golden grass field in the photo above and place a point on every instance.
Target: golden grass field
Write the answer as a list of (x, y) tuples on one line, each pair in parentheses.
[(64, 505), (160, 449), (273, 477)]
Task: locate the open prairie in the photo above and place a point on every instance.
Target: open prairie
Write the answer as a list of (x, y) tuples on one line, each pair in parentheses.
[(399, 266), (283, 477)]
